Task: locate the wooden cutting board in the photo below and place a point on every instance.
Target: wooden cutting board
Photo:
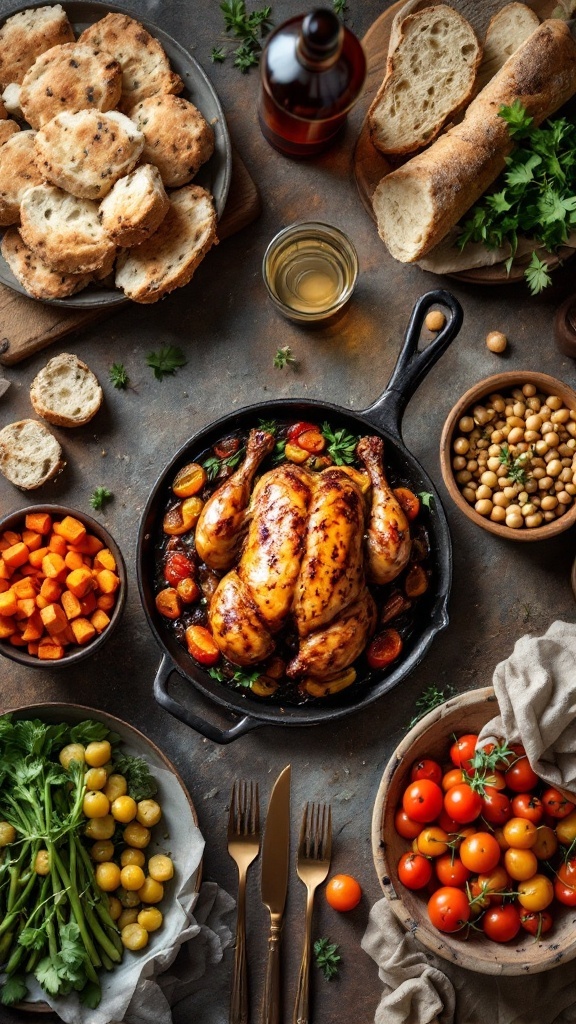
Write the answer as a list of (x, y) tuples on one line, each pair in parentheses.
[(26, 325)]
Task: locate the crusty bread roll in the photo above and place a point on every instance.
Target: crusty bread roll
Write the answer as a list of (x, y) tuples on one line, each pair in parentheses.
[(507, 30), (416, 205)]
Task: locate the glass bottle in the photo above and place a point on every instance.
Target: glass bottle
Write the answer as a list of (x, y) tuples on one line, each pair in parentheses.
[(312, 71)]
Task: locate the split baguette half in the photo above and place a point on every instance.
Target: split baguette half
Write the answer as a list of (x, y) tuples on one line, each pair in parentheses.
[(430, 75), (417, 204), (29, 454), (507, 30)]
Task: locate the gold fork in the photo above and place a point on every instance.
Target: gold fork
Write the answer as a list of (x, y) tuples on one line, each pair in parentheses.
[(243, 847), (314, 852)]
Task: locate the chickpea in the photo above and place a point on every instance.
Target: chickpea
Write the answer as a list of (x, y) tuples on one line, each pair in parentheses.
[(136, 835), (541, 448), (496, 342), (545, 483), (115, 787), (519, 409), (533, 521), (538, 473), (497, 402), (528, 390), (554, 467), (42, 863), (128, 916), (466, 424), (100, 828), (472, 465), (134, 936), (128, 898), (493, 465), (501, 472), (552, 439), (570, 488), (483, 492), (528, 509), (554, 402), (131, 856), (482, 445), (72, 752), (484, 507), (464, 476), (160, 867), (515, 435), (522, 498), (549, 517), (95, 805), (469, 495), (149, 813), (114, 908), (560, 416), (534, 422), (497, 436), (511, 492), (7, 833), (435, 320), (150, 918), (481, 415), (498, 514), (549, 502), (458, 462), (152, 891), (124, 809), (516, 421), (97, 754), (505, 430), (564, 498), (102, 851), (560, 510), (500, 499), (514, 520), (571, 428), (461, 445), (494, 450), (489, 479), (517, 394), (96, 778), (132, 877), (531, 486), (566, 475), (108, 876), (534, 404), (531, 436)]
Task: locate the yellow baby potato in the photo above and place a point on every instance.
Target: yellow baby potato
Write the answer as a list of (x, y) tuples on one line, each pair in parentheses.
[(151, 892), (115, 908), (96, 778), (160, 868), (100, 828), (134, 936), (7, 833), (149, 813), (108, 876), (150, 918), (96, 805), (136, 835), (102, 850), (132, 877), (42, 863), (97, 754), (72, 752), (124, 809), (128, 916), (115, 787), (131, 856)]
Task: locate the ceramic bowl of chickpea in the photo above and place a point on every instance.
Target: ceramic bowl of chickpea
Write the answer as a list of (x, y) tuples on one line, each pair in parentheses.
[(508, 455)]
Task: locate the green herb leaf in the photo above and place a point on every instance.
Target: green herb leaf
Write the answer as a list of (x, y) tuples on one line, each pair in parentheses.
[(100, 497), (245, 679), (430, 698), (327, 958), (13, 990), (340, 8), (284, 358), (341, 445), (537, 275), (270, 426), (141, 783), (33, 938), (217, 674), (89, 731), (118, 376), (91, 995), (426, 498), (166, 361), (213, 464), (279, 453), (249, 28), (217, 55), (518, 120)]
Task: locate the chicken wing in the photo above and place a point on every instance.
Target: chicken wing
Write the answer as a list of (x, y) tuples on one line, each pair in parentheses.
[(222, 523), (331, 576), (235, 625), (339, 644), (271, 559), (388, 540)]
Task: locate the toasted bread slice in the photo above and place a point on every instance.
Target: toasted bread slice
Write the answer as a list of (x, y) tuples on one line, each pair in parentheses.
[(37, 278), (170, 256), (86, 152), (62, 230), (146, 70), (135, 207), (509, 27), (18, 172), (66, 392), (429, 77), (69, 77), (11, 100), (177, 137), (29, 454), (8, 128), (26, 35)]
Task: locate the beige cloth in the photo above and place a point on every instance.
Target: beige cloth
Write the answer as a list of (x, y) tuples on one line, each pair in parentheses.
[(536, 691)]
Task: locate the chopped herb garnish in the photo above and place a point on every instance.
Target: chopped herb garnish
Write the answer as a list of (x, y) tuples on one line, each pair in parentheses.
[(238, 678), (270, 426), (425, 498), (100, 497), (141, 783), (432, 697), (217, 55), (284, 358), (341, 445), (249, 28), (213, 464), (118, 376), (166, 361), (279, 453), (327, 958), (517, 468), (340, 8)]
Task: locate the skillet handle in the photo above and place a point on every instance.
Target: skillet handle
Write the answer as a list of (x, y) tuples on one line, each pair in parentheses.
[(211, 732), (412, 365)]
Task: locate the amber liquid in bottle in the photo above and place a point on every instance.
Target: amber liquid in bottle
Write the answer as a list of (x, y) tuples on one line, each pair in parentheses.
[(312, 71)]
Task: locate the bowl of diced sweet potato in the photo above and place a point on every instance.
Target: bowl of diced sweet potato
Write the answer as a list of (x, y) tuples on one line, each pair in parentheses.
[(62, 585)]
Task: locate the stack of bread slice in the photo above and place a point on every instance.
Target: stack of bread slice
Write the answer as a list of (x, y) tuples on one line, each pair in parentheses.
[(98, 138)]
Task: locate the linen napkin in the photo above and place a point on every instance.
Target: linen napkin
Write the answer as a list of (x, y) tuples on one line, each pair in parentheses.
[(536, 691)]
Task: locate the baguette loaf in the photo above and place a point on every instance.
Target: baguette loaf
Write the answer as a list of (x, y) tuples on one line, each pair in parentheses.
[(416, 205)]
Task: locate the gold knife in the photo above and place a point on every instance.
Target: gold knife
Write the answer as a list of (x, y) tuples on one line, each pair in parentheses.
[(275, 864)]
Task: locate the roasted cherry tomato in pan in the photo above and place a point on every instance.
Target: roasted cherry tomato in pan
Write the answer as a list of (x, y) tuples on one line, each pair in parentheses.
[(426, 768), (299, 428), (422, 800), (343, 892), (408, 501), (311, 441), (384, 649), (189, 480), (178, 567), (226, 447), (448, 909), (202, 645)]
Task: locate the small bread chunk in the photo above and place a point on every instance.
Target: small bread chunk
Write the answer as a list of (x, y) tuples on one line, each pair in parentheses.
[(66, 392), (86, 152), (11, 100), (62, 230), (69, 77), (18, 172), (509, 27), (8, 128), (170, 256), (29, 454), (177, 138), (429, 76), (37, 278), (135, 207), (146, 70), (26, 35)]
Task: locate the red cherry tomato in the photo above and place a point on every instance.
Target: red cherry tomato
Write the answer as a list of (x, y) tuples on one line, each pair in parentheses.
[(448, 824), (448, 909), (405, 826), (426, 769), (343, 892), (451, 871), (300, 428), (501, 923), (384, 649), (414, 870), (495, 806), (567, 873), (453, 777), (202, 645), (178, 567), (565, 893), (463, 750), (556, 804), (536, 923), (422, 800), (526, 805), (520, 776), (462, 803), (480, 852), (311, 441)]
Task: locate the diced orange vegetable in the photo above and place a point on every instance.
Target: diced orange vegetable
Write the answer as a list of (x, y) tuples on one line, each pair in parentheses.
[(106, 602), (32, 540), (16, 640), (33, 649), (16, 555), (51, 590), (108, 582), (71, 604), (24, 588), (88, 603), (99, 620), (26, 607), (4, 586), (8, 603), (37, 556), (80, 581), (3, 544), (71, 529), (50, 651), (53, 565), (41, 602), (5, 571), (34, 628), (39, 521), (91, 545), (7, 626), (83, 630), (11, 538), (74, 560), (105, 560), (29, 570), (54, 619), (57, 544)]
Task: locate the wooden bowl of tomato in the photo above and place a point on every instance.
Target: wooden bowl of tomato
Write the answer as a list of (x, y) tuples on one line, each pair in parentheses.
[(511, 837)]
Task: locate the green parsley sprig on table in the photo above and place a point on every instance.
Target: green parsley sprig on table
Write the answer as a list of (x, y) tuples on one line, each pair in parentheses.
[(340, 8), (118, 376), (249, 28), (535, 196), (166, 361), (430, 698), (100, 497), (327, 958), (284, 358)]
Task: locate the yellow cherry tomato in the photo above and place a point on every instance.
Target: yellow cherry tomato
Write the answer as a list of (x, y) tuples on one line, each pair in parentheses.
[(98, 753), (566, 829), (150, 918), (520, 864), (136, 835), (160, 867), (114, 907), (124, 809), (96, 778), (100, 828), (149, 813), (134, 936), (432, 841), (535, 893), (108, 876), (72, 752), (520, 833), (96, 804), (115, 787), (151, 892), (102, 851), (546, 843), (128, 916), (132, 877), (131, 856)]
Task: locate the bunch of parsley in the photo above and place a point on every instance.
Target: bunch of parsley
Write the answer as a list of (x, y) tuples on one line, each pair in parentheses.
[(535, 196)]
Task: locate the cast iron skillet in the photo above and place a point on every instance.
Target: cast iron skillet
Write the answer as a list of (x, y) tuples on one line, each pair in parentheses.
[(384, 418)]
